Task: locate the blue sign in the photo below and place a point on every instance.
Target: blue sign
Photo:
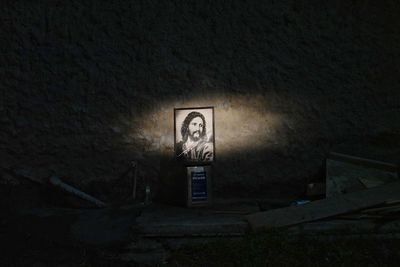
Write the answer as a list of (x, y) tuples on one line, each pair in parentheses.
[(199, 186)]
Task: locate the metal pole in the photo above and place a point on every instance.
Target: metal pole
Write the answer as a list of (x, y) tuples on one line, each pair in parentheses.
[(133, 174), (54, 180)]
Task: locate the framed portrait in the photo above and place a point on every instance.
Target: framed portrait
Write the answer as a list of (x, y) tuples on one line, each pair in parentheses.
[(194, 135)]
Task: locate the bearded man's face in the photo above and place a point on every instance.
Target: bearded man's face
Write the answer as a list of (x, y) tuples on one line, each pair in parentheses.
[(196, 128)]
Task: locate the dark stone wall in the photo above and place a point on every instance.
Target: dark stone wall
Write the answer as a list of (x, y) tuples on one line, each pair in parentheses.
[(88, 86)]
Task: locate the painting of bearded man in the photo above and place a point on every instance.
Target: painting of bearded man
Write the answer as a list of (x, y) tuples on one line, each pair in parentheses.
[(194, 135)]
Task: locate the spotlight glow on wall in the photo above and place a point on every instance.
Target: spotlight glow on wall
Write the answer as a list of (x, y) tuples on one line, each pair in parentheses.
[(242, 123)]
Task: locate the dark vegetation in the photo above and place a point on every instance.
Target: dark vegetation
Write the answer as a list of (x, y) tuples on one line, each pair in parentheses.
[(282, 249)]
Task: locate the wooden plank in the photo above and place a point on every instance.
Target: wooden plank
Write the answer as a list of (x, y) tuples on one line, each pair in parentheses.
[(392, 202), (370, 182), (347, 174), (391, 211), (324, 208), (358, 216), (382, 209), (364, 162)]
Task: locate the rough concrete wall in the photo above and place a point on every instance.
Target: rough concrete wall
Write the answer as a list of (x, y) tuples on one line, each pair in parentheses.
[(87, 86)]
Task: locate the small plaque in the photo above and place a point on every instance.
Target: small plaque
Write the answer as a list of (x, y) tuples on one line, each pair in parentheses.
[(199, 184)]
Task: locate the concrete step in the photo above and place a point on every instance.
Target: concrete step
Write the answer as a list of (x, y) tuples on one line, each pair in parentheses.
[(166, 221)]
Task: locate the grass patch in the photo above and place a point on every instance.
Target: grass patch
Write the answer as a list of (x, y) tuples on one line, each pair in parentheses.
[(282, 249)]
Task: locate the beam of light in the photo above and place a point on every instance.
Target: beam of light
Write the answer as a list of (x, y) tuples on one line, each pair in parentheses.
[(242, 123)]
